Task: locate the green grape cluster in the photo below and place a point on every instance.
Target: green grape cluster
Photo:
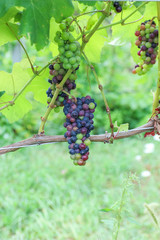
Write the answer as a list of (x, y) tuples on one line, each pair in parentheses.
[(69, 48)]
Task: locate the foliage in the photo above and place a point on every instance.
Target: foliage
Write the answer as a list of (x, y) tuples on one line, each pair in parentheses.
[(42, 194)]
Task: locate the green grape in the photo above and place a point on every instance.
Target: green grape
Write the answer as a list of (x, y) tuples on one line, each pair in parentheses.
[(152, 29), (147, 31), (61, 50), (147, 25), (57, 66), (142, 32), (145, 66), (78, 58), (52, 92), (73, 157), (143, 57), (71, 38), (147, 35), (75, 65), (52, 87), (79, 136), (72, 60), (65, 60), (67, 46), (49, 99), (138, 69), (78, 44), (65, 36), (75, 162), (69, 20), (67, 65), (61, 58), (73, 47), (78, 53), (87, 142), (62, 26), (61, 99), (68, 54), (57, 109), (60, 42), (156, 40), (148, 59), (78, 156), (73, 77), (61, 71), (148, 44), (143, 53), (56, 39), (144, 71), (58, 33), (71, 28)]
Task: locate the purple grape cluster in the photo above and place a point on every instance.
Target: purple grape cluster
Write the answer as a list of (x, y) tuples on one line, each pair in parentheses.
[(57, 73), (147, 41), (79, 124)]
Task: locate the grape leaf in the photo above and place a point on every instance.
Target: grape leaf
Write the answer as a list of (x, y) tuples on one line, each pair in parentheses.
[(6, 33), (36, 17), (18, 110), (137, 4), (126, 32), (89, 3), (39, 87), (2, 93), (93, 51)]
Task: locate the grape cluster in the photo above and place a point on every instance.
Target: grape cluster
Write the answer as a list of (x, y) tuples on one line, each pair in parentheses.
[(69, 48), (57, 73), (79, 123), (147, 42)]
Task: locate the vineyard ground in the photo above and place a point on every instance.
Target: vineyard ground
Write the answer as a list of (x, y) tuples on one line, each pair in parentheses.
[(44, 196)]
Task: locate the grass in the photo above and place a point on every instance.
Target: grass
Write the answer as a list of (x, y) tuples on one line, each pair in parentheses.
[(45, 197)]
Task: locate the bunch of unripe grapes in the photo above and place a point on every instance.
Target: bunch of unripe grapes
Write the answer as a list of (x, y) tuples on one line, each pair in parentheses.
[(79, 124), (57, 72), (147, 42), (69, 48)]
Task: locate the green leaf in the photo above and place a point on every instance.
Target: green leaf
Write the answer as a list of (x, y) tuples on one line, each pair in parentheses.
[(39, 87), (137, 4), (106, 210), (91, 21), (94, 46), (12, 83), (126, 32), (36, 17), (89, 3), (122, 127), (2, 93), (6, 33), (18, 110)]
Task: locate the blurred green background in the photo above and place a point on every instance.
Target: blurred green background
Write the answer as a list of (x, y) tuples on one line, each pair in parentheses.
[(44, 196)]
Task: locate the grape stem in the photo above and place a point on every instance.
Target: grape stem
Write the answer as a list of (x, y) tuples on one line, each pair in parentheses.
[(157, 93), (12, 102), (22, 47), (67, 93), (103, 95), (59, 88)]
